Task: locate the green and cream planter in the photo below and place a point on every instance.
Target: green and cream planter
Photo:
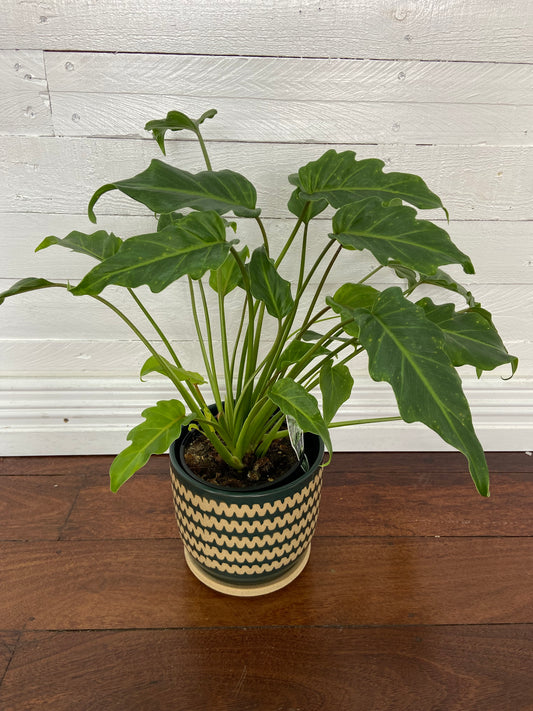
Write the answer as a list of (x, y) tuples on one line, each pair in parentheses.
[(247, 542)]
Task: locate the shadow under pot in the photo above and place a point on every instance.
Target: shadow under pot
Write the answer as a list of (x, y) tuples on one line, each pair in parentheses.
[(247, 542)]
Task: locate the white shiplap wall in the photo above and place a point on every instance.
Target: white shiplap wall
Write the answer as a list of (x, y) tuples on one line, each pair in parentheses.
[(442, 88)]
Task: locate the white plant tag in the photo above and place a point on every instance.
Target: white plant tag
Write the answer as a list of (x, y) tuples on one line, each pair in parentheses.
[(296, 437)]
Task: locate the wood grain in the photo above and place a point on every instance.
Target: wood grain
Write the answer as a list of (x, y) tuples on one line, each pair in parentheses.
[(457, 669), (144, 509), (345, 464), (386, 614), (384, 29), (475, 182), (36, 507), (291, 121), (348, 581), (480, 240), (358, 502), (25, 99), (283, 78), (8, 642), (56, 312)]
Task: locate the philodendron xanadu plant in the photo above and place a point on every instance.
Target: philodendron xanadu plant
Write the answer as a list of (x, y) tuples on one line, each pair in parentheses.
[(415, 345)]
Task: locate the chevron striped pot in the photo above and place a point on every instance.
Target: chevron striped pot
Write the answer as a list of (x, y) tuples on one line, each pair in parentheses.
[(248, 543)]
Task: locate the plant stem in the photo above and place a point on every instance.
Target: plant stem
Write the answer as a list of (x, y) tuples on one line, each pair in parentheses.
[(247, 352), (225, 354), (204, 150), (207, 362), (183, 392), (237, 341), (321, 283), (364, 422), (263, 235), (155, 326), (194, 389), (290, 239), (370, 274)]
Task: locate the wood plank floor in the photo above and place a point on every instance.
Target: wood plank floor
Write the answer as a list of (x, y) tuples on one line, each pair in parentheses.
[(418, 595)]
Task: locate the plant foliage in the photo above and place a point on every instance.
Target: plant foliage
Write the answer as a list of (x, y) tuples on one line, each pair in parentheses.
[(258, 385)]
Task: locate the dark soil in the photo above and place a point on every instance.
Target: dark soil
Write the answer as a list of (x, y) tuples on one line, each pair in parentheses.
[(204, 461)]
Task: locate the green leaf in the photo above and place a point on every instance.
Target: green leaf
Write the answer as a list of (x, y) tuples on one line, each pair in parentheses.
[(228, 273), (354, 296), (190, 246), (161, 427), (315, 336), (267, 285), (164, 188), (349, 297), (168, 218), (99, 245), (340, 179), (393, 233), (297, 351), (294, 400), (470, 338), (336, 384), (408, 351), (176, 121), (153, 365), (296, 205), (404, 273), (28, 284), (445, 281)]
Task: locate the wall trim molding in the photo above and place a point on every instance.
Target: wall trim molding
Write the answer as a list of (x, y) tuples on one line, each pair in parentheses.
[(60, 416)]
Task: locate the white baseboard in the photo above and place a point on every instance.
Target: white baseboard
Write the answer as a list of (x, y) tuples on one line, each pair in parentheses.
[(60, 416)]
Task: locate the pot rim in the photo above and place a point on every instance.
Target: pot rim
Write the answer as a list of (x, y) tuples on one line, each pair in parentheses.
[(284, 488)]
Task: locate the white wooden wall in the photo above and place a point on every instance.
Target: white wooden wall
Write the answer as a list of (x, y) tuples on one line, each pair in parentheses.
[(442, 88)]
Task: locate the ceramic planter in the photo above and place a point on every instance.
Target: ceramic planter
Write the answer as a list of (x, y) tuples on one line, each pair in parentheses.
[(247, 542)]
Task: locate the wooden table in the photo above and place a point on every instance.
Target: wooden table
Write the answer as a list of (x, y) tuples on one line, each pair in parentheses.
[(418, 595)]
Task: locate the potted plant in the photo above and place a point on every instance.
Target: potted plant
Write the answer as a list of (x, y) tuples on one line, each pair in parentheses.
[(246, 460)]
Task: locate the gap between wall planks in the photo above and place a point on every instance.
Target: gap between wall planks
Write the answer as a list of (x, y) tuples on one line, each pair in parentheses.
[(426, 594), (412, 73), (473, 31), (476, 182)]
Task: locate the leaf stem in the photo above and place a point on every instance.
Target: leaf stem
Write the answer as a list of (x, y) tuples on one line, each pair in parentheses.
[(206, 358), (369, 421), (204, 149)]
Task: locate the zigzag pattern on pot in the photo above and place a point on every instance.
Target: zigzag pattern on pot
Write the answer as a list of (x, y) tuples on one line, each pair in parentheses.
[(245, 570), (252, 555), (262, 541), (221, 508), (251, 526)]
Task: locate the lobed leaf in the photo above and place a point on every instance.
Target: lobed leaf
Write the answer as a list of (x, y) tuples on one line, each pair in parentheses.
[(164, 188), (153, 365), (392, 232), (191, 246), (408, 351), (340, 179), (445, 281), (175, 121), (99, 245), (470, 338), (27, 284), (297, 204), (161, 427)]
